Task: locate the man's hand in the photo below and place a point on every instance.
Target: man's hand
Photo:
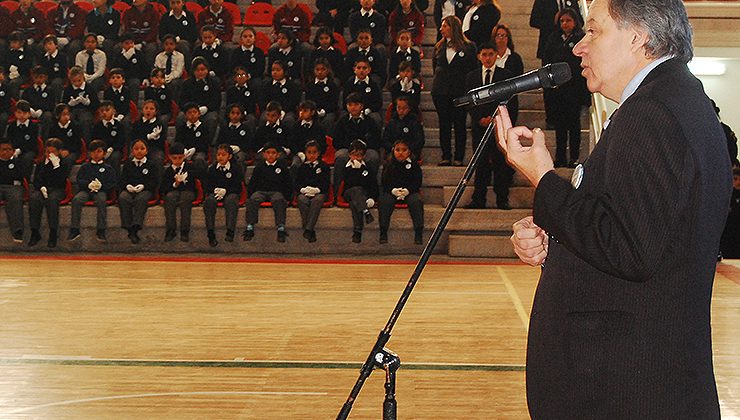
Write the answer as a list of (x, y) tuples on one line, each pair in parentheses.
[(530, 241), (532, 161)]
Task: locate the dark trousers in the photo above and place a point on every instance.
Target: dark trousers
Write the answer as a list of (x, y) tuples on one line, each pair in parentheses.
[(13, 197), (279, 206), (567, 135), (357, 198), (388, 203), (231, 205), (310, 208), (341, 157), (133, 207), (37, 203), (451, 117), (98, 199), (492, 162), (182, 200)]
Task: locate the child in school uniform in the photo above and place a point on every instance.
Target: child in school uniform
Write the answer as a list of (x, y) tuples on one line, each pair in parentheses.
[(205, 91), (11, 189), (223, 183), (56, 64), (96, 181), (112, 132), (133, 64), (287, 52), (237, 134), (93, 61), (105, 21), (404, 52), (49, 182), (19, 60), (138, 184), (248, 56), (401, 182), (276, 131), (180, 23), (324, 43), (404, 125), (119, 96), (149, 127), (159, 92), (81, 98), (142, 20), (271, 182), (283, 90), (178, 192), (406, 84), (217, 17), (5, 97), (360, 189), (312, 188), (69, 132), (41, 98), (24, 133), (172, 62), (307, 129), (245, 93), (324, 92), (366, 50), (361, 83), (210, 48), (194, 136)]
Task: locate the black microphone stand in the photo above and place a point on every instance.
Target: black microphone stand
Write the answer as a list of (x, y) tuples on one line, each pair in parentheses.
[(381, 357)]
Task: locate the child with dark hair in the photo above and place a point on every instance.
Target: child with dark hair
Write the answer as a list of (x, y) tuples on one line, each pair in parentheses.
[(49, 182), (150, 128), (248, 55), (307, 129), (223, 184), (406, 17), (211, 50), (324, 43), (360, 188), (287, 52), (105, 21), (368, 18), (180, 23), (404, 52), (172, 62), (324, 92), (365, 50), (312, 188), (118, 96), (352, 126), (401, 181), (292, 18), (11, 189), (93, 61), (194, 136), (159, 92), (138, 184), (404, 125), (178, 192), (133, 64), (142, 21), (220, 21), (5, 97), (361, 83), (275, 131), (270, 182), (39, 95), (82, 100), (204, 90), (406, 84), (96, 181), (236, 133), (69, 132), (24, 134), (55, 63), (112, 132), (19, 61), (244, 93), (282, 90)]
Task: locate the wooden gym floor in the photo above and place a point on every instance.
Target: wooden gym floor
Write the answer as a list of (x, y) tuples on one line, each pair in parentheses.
[(144, 338)]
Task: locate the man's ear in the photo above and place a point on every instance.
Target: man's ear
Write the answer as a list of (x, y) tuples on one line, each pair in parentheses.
[(640, 38)]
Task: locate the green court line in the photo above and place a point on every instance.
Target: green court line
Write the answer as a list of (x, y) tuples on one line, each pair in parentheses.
[(252, 364)]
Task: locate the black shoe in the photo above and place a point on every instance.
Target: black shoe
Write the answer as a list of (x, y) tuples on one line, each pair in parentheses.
[(212, 238), (169, 235), (312, 237), (457, 163), (18, 236), (368, 217), (100, 235), (35, 237), (229, 236), (307, 234), (52, 242), (73, 234), (474, 205), (357, 237), (418, 236), (383, 238), (248, 234), (444, 162), (133, 236), (281, 236), (503, 205), (184, 236)]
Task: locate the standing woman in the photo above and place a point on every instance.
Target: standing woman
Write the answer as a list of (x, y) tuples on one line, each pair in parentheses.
[(444, 8), (568, 98), (508, 59), (454, 57), (480, 20)]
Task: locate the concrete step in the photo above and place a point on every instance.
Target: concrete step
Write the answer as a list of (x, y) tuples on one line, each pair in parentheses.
[(519, 197), (480, 246)]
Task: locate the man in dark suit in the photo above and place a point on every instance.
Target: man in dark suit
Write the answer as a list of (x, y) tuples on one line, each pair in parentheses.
[(493, 159), (620, 325)]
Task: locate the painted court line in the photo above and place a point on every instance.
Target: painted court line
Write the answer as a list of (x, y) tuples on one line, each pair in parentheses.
[(514, 298)]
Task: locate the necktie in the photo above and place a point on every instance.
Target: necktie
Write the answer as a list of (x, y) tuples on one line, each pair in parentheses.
[(90, 64), (488, 77), (168, 64)]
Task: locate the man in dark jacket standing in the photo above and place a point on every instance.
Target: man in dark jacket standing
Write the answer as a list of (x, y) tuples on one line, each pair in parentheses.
[(620, 325)]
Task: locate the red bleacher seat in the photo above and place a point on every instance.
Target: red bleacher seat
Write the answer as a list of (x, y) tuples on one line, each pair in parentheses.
[(259, 14), (242, 197), (307, 10), (109, 202), (193, 8), (67, 193), (83, 152), (85, 5), (262, 41), (159, 7), (340, 43), (46, 6), (11, 5), (329, 153), (198, 193), (39, 150), (121, 7), (233, 9)]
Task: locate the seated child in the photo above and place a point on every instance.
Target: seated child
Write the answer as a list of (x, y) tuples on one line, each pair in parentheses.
[(210, 48), (41, 98), (205, 91), (82, 100), (275, 131), (405, 84), (404, 52), (49, 182), (56, 64), (138, 184), (222, 184), (360, 189), (194, 136), (96, 181), (158, 91), (271, 182), (244, 93), (324, 92), (237, 134), (149, 128), (362, 84), (5, 98), (366, 50), (69, 132), (180, 23), (11, 189), (312, 188), (282, 90), (112, 132), (324, 43), (93, 61), (307, 129), (172, 62), (178, 192), (119, 96), (132, 62), (248, 56), (287, 51), (401, 181), (19, 60), (24, 133), (404, 125)]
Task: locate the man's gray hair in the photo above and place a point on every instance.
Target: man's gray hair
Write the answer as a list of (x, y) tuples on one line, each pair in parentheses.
[(665, 21)]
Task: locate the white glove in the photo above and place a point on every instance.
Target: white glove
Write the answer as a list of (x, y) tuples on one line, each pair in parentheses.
[(101, 39), (36, 113), (128, 53), (29, 41), (405, 192), (62, 42), (189, 153), (130, 188), (17, 153), (203, 110), (370, 203), (145, 82), (321, 113), (219, 193), (139, 188), (313, 191), (397, 193), (154, 135), (368, 111), (84, 100), (305, 190), (286, 150), (54, 159), (13, 72), (217, 42), (44, 192), (118, 117), (181, 177), (94, 185), (356, 164), (177, 38), (138, 46), (235, 149), (212, 73), (73, 101), (301, 156), (108, 152)]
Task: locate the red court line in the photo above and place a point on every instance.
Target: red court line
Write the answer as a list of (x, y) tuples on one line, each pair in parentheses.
[(129, 258), (729, 271)]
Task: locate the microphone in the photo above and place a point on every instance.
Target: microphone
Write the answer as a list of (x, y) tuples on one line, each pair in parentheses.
[(548, 76)]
